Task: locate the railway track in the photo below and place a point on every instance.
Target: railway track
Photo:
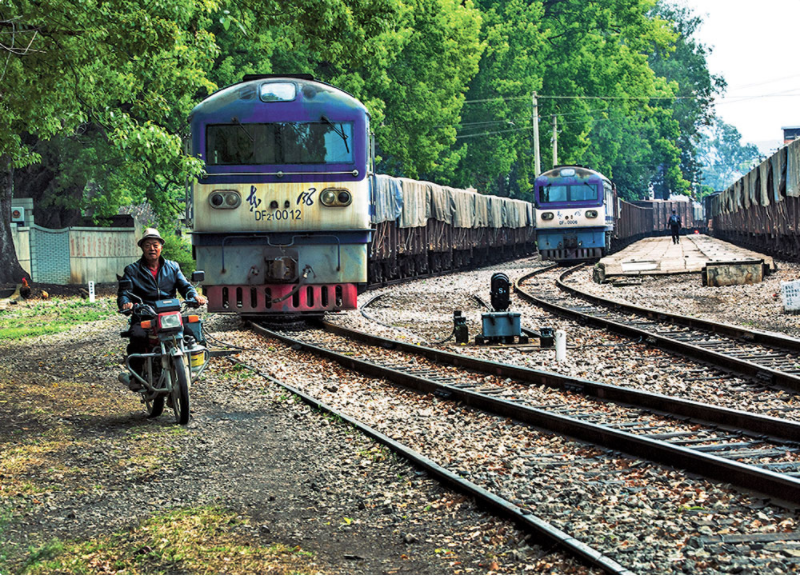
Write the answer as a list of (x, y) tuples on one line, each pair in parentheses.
[(719, 443), (712, 450), (771, 360)]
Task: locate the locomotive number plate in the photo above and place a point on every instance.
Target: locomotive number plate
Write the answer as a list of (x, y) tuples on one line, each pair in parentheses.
[(272, 215)]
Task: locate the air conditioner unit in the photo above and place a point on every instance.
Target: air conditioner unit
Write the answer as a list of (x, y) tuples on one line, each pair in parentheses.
[(17, 214)]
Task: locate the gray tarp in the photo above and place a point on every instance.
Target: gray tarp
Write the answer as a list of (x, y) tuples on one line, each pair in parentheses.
[(464, 202), (481, 210), (763, 192), (413, 202), (442, 203), (793, 169), (777, 169), (387, 198), (746, 185), (495, 212), (416, 203)]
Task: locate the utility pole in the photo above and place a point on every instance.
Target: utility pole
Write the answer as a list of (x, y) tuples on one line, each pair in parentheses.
[(555, 140), (537, 162)]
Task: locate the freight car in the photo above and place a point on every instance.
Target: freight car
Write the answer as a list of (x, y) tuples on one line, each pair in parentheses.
[(575, 214), (289, 218), (633, 223), (424, 228), (761, 210), (690, 212)]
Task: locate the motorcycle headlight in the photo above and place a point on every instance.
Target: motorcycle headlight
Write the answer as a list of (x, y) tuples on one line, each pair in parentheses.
[(169, 322)]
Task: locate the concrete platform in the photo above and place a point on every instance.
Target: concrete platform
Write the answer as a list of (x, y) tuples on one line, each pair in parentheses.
[(660, 256)]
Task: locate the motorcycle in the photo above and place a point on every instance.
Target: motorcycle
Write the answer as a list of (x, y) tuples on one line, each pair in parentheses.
[(178, 356)]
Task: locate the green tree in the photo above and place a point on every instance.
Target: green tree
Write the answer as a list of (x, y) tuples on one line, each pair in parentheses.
[(723, 156), (123, 69)]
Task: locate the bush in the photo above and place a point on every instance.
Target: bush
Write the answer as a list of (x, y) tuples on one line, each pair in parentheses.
[(178, 249)]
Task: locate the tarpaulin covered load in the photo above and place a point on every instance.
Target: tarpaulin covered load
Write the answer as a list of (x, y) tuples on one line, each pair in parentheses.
[(416, 203), (481, 210), (442, 203), (777, 161), (793, 169), (495, 212), (387, 198), (763, 176), (464, 202)]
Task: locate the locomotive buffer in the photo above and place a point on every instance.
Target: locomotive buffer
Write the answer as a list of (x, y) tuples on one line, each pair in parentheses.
[(500, 326)]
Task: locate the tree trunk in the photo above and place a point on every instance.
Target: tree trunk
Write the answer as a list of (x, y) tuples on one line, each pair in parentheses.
[(10, 270)]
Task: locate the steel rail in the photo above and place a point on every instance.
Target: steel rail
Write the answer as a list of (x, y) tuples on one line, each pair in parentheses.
[(729, 330), (775, 485), (756, 424), (501, 506), (751, 369)]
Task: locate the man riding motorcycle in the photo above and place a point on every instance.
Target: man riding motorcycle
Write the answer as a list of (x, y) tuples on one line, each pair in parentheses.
[(151, 278)]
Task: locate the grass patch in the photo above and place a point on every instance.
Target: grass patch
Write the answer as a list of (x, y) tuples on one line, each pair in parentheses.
[(52, 316), (193, 541)]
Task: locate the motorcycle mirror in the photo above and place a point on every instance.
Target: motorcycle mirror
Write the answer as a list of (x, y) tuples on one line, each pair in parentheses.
[(198, 276)]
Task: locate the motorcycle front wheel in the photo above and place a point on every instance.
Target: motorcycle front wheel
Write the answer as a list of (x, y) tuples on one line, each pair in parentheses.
[(180, 391), (154, 407)]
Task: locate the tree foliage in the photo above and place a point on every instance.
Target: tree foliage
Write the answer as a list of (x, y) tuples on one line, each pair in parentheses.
[(723, 156), (94, 94)]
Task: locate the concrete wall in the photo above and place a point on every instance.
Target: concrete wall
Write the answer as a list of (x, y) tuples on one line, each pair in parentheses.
[(99, 254), (75, 255)]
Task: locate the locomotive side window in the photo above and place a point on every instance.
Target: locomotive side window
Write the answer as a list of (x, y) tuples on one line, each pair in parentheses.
[(279, 143)]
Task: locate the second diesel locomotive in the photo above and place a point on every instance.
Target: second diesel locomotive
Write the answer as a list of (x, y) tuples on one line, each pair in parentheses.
[(575, 214)]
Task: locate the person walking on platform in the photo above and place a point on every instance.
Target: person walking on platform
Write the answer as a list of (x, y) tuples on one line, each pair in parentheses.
[(674, 224)]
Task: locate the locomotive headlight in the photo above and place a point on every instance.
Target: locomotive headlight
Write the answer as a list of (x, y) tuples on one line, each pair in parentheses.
[(225, 199), (591, 213), (328, 197), (547, 215), (336, 197), (344, 198), (232, 200)]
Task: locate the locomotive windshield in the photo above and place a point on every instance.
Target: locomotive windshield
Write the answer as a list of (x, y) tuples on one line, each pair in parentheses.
[(323, 142), (567, 193)]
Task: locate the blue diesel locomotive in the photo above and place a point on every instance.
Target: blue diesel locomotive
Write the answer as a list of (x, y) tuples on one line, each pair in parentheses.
[(575, 212), (281, 218)]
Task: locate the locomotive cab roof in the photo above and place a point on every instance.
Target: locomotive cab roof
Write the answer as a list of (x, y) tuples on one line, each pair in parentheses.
[(570, 171), (247, 100)]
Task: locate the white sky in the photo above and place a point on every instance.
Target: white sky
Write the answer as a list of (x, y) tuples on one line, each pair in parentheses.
[(756, 48)]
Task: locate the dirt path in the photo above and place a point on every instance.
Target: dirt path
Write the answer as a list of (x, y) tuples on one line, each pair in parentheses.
[(79, 462)]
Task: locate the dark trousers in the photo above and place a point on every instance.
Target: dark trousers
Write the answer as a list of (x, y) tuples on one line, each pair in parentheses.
[(676, 233), (139, 344)]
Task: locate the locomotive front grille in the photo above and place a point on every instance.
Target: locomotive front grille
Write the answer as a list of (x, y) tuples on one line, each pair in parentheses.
[(262, 299), (571, 254)]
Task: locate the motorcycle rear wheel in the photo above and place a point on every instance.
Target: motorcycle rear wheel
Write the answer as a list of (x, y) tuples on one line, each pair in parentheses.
[(180, 391)]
